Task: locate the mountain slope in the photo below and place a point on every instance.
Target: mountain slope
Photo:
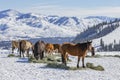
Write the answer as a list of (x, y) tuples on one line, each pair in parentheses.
[(108, 32), (14, 25)]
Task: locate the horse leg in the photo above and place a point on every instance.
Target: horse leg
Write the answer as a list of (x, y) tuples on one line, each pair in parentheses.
[(23, 53), (42, 55), (78, 61), (20, 48), (63, 58), (37, 55), (13, 50), (67, 57), (51, 52), (20, 52), (83, 62), (28, 53)]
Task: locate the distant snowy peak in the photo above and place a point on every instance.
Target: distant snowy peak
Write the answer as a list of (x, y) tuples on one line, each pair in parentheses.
[(103, 18), (34, 19), (64, 21), (9, 13)]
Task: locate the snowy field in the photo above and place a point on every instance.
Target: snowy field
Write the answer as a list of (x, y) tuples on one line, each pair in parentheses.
[(20, 69)]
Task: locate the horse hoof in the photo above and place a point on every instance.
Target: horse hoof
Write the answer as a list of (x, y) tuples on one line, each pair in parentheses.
[(77, 66), (83, 66)]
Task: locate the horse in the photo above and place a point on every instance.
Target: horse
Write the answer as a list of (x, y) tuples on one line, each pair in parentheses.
[(79, 49), (15, 45), (25, 46), (39, 49), (49, 48), (57, 47)]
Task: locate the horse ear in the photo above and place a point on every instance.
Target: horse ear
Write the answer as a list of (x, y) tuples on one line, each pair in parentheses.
[(90, 41)]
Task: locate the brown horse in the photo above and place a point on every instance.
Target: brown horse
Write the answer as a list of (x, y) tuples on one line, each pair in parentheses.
[(49, 48), (39, 49), (15, 45), (25, 46), (79, 49)]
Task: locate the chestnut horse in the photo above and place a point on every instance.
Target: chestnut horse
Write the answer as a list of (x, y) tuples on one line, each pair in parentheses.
[(15, 45), (39, 49), (79, 49), (25, 46), (49, 48)]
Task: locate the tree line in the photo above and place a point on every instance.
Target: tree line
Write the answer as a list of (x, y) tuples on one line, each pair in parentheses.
[(110, 47)]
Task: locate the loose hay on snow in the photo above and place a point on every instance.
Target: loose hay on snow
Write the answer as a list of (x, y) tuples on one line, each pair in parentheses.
[(117, 56), (57, 65), (91, 66), (62, 66), (47, 59), (11, 55)]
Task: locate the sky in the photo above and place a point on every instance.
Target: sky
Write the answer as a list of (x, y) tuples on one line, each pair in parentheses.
[(79, 8)]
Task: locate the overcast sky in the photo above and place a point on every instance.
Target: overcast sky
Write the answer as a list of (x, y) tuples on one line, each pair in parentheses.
[(65, 7)]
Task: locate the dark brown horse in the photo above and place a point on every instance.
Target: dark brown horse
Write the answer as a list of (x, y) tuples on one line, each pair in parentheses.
[(15, 45), (57, 47), (79, 49), (25, 46), (39, 49)]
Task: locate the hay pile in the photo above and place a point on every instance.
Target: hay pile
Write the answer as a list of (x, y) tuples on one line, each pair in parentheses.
[(91, 66), (47, 59)]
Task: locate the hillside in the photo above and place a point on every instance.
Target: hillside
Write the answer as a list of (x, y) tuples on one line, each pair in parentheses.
[(16, 25), (107, 32)]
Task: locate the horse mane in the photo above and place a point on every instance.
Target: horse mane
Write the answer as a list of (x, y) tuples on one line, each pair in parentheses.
[(84, 45)]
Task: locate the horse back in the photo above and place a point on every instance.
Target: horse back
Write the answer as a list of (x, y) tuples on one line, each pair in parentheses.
[(72, 49), (15, 44), (56, 46), (39, 46), (49, 46), (24, 44)]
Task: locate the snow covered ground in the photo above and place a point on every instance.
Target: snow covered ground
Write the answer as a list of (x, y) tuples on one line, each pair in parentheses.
[(20, 69)]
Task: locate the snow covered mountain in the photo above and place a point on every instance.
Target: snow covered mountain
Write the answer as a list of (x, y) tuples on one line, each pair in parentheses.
[(14, 25), (106, 35)]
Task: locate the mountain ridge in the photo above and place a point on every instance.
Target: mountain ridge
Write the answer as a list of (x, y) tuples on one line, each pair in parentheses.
[(14, 24)]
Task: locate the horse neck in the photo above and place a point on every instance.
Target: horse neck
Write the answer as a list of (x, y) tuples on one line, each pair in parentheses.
[(83, 46)]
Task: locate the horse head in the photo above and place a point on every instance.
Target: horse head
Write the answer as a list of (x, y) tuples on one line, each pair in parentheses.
[(89, 45)]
